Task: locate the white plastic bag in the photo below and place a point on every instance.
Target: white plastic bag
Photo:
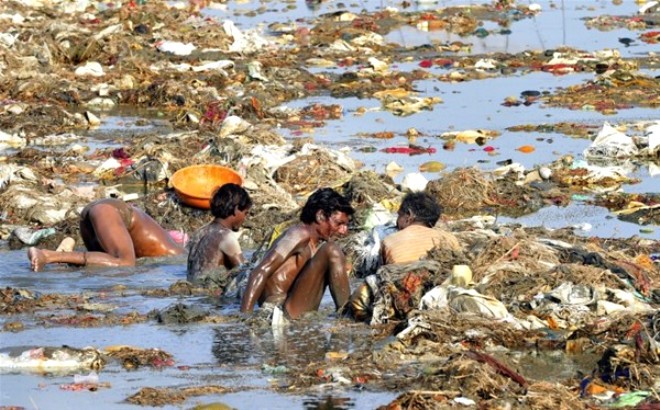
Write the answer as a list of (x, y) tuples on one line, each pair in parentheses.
[(175, 47), (611, 144)]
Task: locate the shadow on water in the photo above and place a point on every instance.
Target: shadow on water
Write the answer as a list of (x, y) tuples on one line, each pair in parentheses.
[(328, 403)]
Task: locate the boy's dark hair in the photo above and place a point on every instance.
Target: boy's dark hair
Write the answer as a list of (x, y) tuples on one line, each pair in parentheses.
[(226, 198), (327, 200), (422, 206)]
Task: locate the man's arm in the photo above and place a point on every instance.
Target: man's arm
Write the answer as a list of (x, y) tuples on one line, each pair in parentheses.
[(384, 252), (281, 250), (258, 278), (231, 250), (235, 260)]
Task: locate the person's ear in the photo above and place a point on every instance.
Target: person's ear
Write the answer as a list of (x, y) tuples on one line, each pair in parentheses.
[(320, 217)]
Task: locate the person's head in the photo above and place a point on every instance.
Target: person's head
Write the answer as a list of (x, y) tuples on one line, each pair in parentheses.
[(418, 208), (231, 200), (330, 210)]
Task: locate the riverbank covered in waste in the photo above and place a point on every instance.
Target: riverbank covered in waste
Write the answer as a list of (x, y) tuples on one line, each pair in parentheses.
[(543, 151)]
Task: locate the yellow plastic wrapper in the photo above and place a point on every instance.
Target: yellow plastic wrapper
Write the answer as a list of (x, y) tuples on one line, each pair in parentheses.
[(361, 301)]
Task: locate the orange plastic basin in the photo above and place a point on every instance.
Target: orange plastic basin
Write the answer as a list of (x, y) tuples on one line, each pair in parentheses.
[(195, 184)]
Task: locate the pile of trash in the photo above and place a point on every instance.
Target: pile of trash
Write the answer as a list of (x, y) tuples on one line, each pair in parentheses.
[(611, 91), (465, 323), (276, 177)]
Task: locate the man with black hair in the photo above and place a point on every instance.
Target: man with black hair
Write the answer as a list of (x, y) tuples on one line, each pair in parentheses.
[(417, 215), (295, 271), (416, 236), (214, 248)]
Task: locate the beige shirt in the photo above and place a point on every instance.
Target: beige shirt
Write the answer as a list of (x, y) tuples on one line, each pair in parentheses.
[(413, 243)]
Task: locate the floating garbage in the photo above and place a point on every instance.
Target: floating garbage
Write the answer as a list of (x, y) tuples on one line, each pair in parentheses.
[(471, 301), (432, 166), (196, 184), (244, 42), (414, 182), (611, 144), (30, 236), (526, 149), (91, 378), (279, 369), (50, 359), (132, 357), (411, 150)]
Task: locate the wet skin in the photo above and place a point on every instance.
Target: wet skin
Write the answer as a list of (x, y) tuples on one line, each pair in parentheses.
[(115, 234), (296, 271), (215, 245)]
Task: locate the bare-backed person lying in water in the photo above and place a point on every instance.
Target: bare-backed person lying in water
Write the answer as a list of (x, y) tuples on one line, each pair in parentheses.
[(115, 234)]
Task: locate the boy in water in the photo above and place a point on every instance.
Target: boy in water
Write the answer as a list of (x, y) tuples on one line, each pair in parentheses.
[(295, 271), (214, 248), (115, 234)]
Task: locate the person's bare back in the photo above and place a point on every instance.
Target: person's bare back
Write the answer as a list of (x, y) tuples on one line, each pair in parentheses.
[(213, 246), (214, 249), (115, 234)]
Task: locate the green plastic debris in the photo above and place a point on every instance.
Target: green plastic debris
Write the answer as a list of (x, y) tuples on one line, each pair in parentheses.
[(578, 197), (630, 399), (481, 32), (274, 369)]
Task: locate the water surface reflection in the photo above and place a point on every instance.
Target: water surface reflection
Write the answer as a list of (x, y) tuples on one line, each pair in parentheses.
[(293, 346), (328, 403)]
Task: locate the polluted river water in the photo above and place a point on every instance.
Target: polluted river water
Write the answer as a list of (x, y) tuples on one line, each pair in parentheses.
[(466, 106), (247, 362)]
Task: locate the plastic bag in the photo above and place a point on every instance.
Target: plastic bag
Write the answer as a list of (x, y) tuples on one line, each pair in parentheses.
[(610, 144)]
